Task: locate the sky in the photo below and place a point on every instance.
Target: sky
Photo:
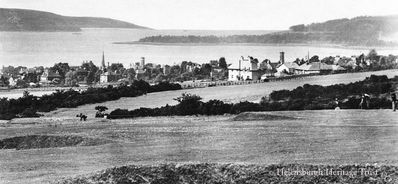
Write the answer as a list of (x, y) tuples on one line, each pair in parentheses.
[(213, 14)]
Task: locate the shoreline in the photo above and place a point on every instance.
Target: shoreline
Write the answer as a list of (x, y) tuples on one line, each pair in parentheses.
[(325, 45)]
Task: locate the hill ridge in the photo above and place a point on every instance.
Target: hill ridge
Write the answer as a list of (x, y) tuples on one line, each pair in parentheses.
[(34, 20)]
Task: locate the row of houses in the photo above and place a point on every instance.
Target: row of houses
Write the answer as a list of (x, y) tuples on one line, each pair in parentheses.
[(249, 69)]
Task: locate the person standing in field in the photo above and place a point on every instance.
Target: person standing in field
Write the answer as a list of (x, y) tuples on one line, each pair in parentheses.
[(394, 101), (364, 104), (336, 102)]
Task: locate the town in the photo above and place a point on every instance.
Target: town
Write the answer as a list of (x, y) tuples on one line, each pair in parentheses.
[(188, 73)]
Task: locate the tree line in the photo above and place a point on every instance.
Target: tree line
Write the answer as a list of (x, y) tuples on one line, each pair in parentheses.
[(306, 97), (29, 105)]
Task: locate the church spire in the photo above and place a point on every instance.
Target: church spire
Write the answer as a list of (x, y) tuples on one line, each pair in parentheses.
[(103, 60)]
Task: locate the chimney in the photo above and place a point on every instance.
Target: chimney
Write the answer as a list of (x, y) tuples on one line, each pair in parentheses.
[(282, 57)]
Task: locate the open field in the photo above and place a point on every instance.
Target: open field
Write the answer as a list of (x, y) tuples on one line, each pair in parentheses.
[(303, 137), (299, 137)]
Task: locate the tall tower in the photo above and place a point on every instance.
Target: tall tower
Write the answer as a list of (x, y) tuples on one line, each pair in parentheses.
[(142, 62), (282, 57), (103, 61)]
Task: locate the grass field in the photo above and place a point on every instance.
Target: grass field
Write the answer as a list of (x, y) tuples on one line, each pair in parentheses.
[(306, 137), (326, 137)]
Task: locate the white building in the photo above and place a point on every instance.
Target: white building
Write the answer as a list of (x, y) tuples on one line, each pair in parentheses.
[(12, 82), (109, 77), (288, 67), (245, 69)]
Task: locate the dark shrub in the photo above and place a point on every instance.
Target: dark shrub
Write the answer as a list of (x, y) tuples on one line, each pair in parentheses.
[(188, 104), (216, 107), (119, 113), (245, 107), (29, 112)]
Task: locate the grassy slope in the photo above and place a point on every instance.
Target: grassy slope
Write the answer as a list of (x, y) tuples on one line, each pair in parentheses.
[(233, 173)]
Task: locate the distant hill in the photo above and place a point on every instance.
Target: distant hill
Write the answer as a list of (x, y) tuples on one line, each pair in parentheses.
[(366, 31), (358, 30), (32, 20)]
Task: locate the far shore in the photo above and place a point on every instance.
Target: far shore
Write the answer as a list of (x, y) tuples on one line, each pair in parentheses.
[(326, 45)]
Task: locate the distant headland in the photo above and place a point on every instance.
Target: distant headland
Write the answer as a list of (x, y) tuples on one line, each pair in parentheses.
[(358, 31), (40, 21)]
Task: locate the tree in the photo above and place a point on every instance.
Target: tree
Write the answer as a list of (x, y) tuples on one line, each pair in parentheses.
[(117, 67), (21, 83), (159, 78), (11, 71), (206, 69), (175, 70), (92, 70), (297, 61), (187, 97), (372, 55), (360, 60), (4, 81), (314, 58), (29, 112), (100, 109), (184, 65), (129, 74), (71, 78), (298, 28), (222, 63), (328, 60), (188, 104), (61, 68)]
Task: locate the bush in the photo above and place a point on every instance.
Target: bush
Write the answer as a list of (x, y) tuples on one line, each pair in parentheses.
[(216, 107), (29, 112), (188, 104)]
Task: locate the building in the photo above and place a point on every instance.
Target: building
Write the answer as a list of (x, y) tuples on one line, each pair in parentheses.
[(166, 69), (192, 66), (314, 68), (288, 67), (245, 69), (338, 69), (140, 69), (106, 75), (12, 82), (49, 76), (109, 76), (285, 68)]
